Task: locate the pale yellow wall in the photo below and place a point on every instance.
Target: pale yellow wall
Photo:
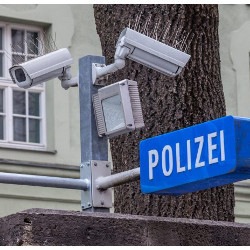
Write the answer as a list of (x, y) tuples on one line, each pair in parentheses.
[(75, 29), (234, 35)]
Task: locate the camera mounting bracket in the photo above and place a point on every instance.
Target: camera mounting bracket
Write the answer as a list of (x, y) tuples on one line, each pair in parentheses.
[(94, 197)]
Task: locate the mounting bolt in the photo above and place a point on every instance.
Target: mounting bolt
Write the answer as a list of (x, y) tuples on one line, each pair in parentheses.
[(89, 204), (87, 163), (107, 165), (102, 203), (82, 206), (129, 125), (95, 164)]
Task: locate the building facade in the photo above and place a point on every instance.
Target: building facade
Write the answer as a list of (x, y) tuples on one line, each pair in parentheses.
[(234, 38), (39, 127), (47, 141)]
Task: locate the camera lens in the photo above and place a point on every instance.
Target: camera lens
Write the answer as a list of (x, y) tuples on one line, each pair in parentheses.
[(20, 75)]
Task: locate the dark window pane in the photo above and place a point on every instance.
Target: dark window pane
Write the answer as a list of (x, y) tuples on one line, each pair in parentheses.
[(1, 64), (34, 104), (19, 102), (16, 59), (1, 38), (34, 130), (1, 127), (17, 40), (19, 129), (20, 75), (1, 100), (32, 42)]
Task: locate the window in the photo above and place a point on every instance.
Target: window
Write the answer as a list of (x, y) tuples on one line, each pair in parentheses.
[(22, 112)]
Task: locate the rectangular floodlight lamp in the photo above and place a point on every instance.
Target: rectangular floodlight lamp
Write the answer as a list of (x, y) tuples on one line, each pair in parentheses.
[(117, 109)]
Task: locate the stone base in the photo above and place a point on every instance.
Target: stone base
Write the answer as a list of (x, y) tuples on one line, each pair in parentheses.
[(55, 227)]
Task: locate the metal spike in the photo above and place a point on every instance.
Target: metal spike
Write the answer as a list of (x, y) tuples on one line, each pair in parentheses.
[(16, 53), (10, 57), (154, 33), (137, 21), (50, 43), (145, 27), (176, 44), (41, 51), (176, 33), (129, 23), (30, 48), (184, 40), (165, 32), (187, 46), (40, 46), (46, 44), (149, 20), (55, 42), (21, 49)]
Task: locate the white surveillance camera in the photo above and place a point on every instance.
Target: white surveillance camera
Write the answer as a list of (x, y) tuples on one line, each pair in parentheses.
[(43, 68), (145, 50)]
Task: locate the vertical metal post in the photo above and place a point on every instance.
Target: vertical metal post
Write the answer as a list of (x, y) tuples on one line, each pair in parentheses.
[(93, 147)]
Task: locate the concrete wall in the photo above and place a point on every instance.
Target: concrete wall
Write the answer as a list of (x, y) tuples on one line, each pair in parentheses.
[(63, 228)]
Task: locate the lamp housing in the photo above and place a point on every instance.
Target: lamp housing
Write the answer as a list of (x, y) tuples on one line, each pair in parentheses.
[(118, 109)]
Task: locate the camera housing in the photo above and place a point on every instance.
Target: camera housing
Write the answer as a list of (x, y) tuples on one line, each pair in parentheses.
[(144, 50), (151, 53), (41, 69)]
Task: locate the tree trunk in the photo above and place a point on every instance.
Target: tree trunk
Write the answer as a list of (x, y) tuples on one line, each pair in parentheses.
[(168, 104)]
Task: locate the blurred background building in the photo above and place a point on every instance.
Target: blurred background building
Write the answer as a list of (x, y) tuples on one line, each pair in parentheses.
[(39, 127)]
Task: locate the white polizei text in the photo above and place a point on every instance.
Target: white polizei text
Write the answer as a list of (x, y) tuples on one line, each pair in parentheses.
[(167, 155)]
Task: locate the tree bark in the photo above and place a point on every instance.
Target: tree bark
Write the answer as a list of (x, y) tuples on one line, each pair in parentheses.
[(168, 104)]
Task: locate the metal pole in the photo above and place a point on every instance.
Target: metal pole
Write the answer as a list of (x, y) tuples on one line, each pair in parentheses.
[(44, 181), (103, 183), (93, 147)]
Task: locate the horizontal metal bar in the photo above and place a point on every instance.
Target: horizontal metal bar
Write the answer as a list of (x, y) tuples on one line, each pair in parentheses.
[(44, 181), (117, 179)]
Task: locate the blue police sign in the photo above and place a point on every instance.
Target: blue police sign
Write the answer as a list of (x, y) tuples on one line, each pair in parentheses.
[(206, 155)]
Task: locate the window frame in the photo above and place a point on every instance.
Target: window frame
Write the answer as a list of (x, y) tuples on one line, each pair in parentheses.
[(8, 86)]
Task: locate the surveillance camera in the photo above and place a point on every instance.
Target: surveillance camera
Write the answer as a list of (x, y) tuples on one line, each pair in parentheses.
[(145, 50), (151, 53), (41, 69)]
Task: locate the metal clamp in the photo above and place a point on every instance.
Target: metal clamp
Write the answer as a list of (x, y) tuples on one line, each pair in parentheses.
[(86, 196), (96, 79), (94, 197)]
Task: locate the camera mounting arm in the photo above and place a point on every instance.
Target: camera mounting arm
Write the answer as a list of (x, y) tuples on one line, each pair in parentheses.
[(100, 70), (66, 79)]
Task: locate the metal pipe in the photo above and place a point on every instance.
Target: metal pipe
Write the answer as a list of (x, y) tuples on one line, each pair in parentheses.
[(44, 181), (103, 183)]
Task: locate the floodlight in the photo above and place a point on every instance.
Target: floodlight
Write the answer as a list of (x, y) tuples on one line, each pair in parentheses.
[(118, 109), (145, 50)]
